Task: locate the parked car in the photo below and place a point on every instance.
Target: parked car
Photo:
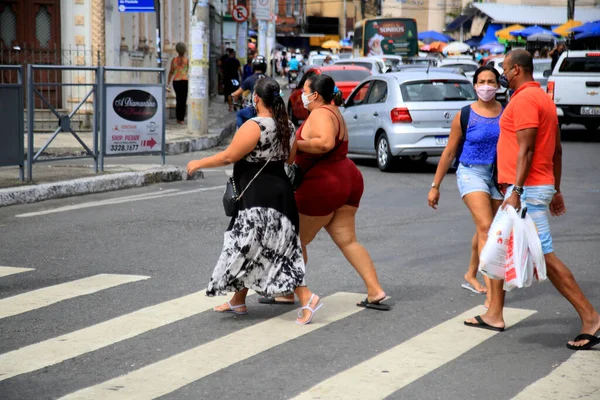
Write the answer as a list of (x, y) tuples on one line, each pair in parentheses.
[(405, 114), (374, 65), (391, 62), (422, 60), (425, 67), (346, 78), (319, 59), (575, 88), (468, 66), (540, 65), (345, 56)]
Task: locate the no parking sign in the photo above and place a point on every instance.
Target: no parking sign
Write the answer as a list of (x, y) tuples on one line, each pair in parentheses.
[(239, 13)]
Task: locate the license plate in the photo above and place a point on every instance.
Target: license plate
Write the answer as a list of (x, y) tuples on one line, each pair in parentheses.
[(590, 110), (441, 140)]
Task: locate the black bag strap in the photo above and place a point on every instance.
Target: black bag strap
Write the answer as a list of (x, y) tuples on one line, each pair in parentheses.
[(465, 114)]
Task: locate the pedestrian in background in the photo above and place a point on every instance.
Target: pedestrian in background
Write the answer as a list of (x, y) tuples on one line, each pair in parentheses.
[(333, 186), (555, 53), (232, 73), (261, 249), (178, 74), (475, 151), (247, 71), (530, 169)]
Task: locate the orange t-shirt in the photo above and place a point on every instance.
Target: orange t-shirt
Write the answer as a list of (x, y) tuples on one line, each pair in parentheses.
[(179, 66), (529, 107)]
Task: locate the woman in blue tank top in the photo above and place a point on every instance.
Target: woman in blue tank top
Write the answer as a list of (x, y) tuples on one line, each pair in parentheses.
[(476, 167)]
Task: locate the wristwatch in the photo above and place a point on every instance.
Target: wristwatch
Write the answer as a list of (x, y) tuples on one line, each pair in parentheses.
[(518, 189), (434, 186)]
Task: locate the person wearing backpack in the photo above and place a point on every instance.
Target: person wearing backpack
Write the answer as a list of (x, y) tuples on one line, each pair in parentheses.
[(472, 144), (259, 67)]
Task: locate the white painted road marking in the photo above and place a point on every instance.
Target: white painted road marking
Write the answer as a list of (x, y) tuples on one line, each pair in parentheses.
[(74, 344), (168, 375), (118, 200), (576, 378), (6, 271), (53, 294), (390, 371)]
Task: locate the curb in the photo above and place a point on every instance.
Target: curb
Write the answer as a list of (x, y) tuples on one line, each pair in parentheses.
[(95, 184), (213, 139)]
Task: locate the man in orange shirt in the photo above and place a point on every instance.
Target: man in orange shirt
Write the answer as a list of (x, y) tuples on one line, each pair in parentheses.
[(529, 168)]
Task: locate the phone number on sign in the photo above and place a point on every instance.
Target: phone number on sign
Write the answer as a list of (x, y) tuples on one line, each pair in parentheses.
[(124, 147)]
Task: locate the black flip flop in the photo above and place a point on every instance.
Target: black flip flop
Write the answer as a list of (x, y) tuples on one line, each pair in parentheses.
[(593, 341), (483, 325), (271, 300), (374, 305)]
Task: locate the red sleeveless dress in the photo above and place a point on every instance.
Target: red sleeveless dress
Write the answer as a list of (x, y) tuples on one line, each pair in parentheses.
[(331, 182)]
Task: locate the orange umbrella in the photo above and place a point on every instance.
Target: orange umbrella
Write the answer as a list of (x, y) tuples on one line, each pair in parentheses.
[(437, 47)]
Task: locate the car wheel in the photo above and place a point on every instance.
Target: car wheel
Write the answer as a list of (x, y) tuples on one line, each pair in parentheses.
[(385, 159), (592, 126), (291, 115)]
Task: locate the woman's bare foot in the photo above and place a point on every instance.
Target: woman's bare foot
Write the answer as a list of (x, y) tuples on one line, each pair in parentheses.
[(475, 283), (486, 304), (313, 303), (377, 297), (493, 322), (231, 307)]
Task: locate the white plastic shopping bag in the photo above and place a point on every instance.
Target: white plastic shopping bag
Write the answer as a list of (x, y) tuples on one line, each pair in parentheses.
[(536, 254), (492, 260), (516, 253)]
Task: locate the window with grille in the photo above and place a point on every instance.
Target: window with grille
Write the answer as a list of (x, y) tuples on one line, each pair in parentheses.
[(8, 26), (288, 8), (42, 27)]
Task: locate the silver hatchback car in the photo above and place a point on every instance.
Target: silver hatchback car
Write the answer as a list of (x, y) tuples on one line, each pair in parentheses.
[(405, 114)]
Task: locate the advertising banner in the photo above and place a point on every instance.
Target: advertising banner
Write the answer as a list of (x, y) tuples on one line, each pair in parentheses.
[(391, 36), (134, 119)]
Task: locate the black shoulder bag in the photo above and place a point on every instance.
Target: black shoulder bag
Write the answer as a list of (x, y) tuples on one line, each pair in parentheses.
[(230, 196)]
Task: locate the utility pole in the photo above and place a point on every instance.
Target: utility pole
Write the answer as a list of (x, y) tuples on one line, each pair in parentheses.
[(344, 27), (158, 34), (271, 38), (570, 9), (199, 53)]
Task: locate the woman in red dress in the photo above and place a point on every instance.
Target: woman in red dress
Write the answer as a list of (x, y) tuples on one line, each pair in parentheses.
[(332, 188)]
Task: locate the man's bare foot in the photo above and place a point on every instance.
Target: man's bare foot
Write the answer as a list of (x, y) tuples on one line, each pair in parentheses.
[(590, 328), (475, 283), (376, 298), (492, 322)]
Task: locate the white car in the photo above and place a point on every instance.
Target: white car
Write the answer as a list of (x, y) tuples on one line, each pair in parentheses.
[(319, 59), (468, 66), (391, 62), (376, 66), (405, 114)]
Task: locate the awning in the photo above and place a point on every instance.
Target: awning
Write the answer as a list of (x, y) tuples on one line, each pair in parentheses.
[(565, 29), (473, 42), (534, 15), (458, 22), (504, 34), (490, 34), (478, 25)]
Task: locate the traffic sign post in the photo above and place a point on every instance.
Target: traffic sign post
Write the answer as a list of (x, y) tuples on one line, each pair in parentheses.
[(239, 13)]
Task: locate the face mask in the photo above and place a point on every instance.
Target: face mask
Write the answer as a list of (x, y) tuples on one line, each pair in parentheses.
[(305, 100), (486, 92), (504, 82)]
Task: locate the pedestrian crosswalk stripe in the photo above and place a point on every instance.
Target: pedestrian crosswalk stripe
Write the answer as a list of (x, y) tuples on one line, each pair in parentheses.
[(6, 271), (53, 294), (168, 375), (390, 371), (576, 378), (74, 344)]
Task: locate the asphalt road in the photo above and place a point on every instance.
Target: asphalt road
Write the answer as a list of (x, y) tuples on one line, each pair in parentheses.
[(66, 327)]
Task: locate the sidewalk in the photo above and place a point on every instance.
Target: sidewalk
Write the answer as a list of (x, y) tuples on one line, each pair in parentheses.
[(221, 124), (71, 178)]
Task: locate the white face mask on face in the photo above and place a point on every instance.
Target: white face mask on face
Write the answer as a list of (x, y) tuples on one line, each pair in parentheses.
[(305, 100), (486, 92)]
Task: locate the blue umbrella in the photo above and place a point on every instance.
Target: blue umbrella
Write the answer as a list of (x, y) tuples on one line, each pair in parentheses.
[(533, 30), (433, 36), (493, 47), (593, 30), (584, 27)]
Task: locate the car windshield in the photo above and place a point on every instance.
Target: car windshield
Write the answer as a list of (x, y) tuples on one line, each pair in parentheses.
[(358, 64), (464, 67), (348, 75), (438, 90), (540, 67), (580, 64)]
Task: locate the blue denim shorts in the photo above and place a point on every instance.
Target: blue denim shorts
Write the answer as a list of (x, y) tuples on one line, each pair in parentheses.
[(537, 199), (476, 178)]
